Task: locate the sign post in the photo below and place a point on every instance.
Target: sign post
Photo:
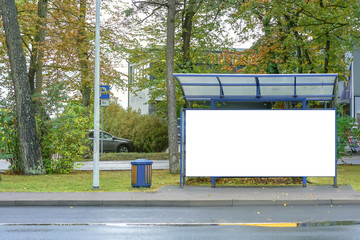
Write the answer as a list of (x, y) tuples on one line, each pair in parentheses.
[(104, 102)]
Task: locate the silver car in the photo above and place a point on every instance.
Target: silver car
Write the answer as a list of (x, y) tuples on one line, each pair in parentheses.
[(113, 144)]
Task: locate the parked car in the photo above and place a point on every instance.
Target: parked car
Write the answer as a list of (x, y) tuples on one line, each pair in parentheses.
[(112, 143)]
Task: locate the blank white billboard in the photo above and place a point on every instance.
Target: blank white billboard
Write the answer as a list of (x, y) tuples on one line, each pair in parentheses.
[(260, 143)]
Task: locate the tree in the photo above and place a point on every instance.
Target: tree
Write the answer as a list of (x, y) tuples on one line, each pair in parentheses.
[(171, 94), (29, 144), (298, 36), (58, 40), (198, 31)]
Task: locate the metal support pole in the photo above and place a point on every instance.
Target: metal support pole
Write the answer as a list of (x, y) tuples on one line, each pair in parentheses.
[(181, 148), (212, 104), (102, 131), (335, 178), (96, 184), (304, 178), (352, 92), (213, 184), (213, 178)]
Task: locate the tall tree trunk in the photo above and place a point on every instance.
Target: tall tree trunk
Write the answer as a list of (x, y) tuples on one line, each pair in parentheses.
[(171, 93), (308, 61), (29, 144), (42, 13), (37, 52), (189, 14), (83, 56), (327, 55)]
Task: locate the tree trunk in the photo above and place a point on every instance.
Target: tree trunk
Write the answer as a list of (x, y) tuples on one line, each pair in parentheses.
[(29, 144), (42, 13), (83, 56), (37, 52), (171, 93), (189, 14), (327, 55)]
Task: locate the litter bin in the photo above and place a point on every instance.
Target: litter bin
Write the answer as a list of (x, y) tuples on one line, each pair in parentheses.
[(141, 173)]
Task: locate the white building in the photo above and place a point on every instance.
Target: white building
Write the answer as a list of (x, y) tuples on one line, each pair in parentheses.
[(140, 99)]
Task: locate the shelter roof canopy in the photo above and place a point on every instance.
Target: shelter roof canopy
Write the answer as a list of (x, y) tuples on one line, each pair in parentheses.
[(257, 86)]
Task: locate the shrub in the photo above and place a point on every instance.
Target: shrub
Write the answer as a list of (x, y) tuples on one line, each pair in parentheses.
[(147, 132), (9, 140), (66, 140), (346, 127)]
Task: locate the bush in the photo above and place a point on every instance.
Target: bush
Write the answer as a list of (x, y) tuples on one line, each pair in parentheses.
[(9, 140), (147, 132), (66, 140), (346, 127)]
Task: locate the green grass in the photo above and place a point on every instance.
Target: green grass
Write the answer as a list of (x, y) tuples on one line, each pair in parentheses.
[(81, 181), (347, 175), (120, 181)]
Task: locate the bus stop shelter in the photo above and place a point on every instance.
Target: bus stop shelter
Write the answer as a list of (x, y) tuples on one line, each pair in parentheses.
[(203, 130)]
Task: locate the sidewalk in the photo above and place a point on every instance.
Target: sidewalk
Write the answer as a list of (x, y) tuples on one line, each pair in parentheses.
[(192, 196)]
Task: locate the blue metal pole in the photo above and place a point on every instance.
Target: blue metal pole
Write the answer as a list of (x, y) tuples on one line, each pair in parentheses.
[(335, 178), (304, 178), (213, 182), (181, 148), (212, 178)]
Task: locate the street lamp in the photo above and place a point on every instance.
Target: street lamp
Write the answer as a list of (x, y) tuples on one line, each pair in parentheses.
[(96, 184)]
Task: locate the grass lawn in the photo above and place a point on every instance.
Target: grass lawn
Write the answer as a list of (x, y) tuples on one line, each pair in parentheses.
[(81, 181), (347, 175), (120, 181)]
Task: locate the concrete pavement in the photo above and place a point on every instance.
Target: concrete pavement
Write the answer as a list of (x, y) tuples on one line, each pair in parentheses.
[(191, 196)]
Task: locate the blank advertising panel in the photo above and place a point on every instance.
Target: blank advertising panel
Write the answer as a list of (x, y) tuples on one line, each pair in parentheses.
[(260, 143)]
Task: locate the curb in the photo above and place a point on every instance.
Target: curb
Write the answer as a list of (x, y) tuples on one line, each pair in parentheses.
[(177, 203)]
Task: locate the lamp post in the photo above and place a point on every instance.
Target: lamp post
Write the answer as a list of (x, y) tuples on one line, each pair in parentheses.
[(96, 184)]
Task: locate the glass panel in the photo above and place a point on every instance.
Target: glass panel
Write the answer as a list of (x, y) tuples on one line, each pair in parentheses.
[(201, 90), (314, 90), (198, 79), (239, 91), (315, 79), (106, 136), (276, 80), (276, 90), (237, 80)]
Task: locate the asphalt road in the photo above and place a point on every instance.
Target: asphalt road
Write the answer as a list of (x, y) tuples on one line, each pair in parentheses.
[(299, 222)]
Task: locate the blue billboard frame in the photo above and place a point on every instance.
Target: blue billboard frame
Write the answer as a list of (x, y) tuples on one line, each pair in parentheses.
[(213, 178)]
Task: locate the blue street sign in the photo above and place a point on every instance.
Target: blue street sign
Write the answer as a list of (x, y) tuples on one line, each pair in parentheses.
[(104, 92)]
